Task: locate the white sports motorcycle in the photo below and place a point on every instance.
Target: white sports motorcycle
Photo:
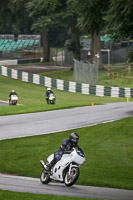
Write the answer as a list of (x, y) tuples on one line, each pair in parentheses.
[(65, 170), (51, 99), (13, 99)]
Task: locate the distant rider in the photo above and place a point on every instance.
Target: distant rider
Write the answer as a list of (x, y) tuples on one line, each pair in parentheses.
[(48, 92), (12, 93), (66, 145)]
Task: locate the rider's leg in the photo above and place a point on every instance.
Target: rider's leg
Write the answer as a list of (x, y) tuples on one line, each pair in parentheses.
[(47, 100), (57, 157)]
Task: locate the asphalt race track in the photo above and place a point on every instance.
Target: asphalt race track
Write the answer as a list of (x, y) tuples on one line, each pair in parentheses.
[(38, 69), (33, 185), (53, 121), (4, 103)]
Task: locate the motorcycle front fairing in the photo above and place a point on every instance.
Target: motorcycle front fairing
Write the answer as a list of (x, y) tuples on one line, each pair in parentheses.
[(14, 97), (59, 168), (51, 97), (72, 159)]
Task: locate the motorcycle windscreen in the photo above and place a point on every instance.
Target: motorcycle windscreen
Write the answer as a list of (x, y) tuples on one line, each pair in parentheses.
[(14, 97)]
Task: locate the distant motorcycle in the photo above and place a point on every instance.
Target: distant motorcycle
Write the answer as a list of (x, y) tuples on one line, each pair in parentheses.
[(51, 99), (13, 100), (65, 170)]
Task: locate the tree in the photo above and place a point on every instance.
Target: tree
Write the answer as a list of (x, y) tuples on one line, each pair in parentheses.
[(91, 21), (3, 19), (41, 16), (37, 11), (119, 19), (48, 16), (14, 17), (26, 16), (58, 14), (71, 17), (63, 16)]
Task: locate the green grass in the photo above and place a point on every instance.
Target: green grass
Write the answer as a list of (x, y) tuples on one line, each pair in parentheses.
[(107, 147), (32, 97), (64, 74), (4, 195)]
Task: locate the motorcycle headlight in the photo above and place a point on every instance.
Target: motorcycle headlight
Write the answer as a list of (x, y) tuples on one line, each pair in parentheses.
[(81, 154)]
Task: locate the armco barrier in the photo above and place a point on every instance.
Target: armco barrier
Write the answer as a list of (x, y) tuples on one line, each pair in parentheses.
[(20, 61), (97, 90)]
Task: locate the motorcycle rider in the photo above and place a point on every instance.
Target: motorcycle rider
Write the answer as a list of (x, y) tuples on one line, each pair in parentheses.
[(66, 145), (48, 92), (12, 93)]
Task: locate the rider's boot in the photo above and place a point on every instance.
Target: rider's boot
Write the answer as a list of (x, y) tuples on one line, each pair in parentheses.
[(50, 165)]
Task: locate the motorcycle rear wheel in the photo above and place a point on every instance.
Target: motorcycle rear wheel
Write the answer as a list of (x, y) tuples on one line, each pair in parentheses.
[(69, 180), (44, 178)]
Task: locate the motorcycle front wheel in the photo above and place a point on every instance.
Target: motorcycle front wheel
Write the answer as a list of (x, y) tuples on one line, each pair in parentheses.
[(44, 178), (71, 178)]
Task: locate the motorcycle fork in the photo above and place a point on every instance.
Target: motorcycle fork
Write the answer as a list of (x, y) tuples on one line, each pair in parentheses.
[(71, 165), (70, 169)]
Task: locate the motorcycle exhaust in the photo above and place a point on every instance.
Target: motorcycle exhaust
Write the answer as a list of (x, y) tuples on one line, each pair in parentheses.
[(43, 164)]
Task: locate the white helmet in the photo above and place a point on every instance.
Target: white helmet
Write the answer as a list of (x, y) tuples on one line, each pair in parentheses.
[(13, 91), (48, 89)]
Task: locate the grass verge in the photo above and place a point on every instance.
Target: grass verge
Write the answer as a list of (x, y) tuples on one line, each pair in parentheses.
[(4, 195), (32, 97), (107, 147)]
